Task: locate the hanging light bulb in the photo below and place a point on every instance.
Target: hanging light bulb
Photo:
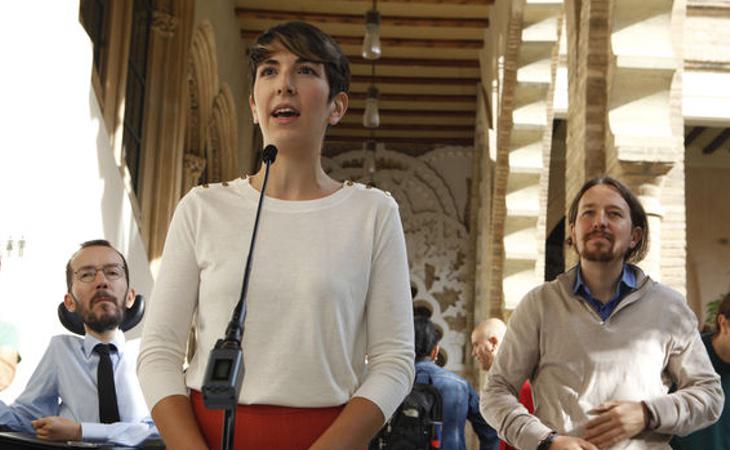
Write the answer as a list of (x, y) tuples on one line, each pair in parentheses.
[(371, 118), (368, 161), (370, 149), (371, 44)]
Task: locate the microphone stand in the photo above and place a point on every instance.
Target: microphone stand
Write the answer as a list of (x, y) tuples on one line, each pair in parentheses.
[(225, 370)]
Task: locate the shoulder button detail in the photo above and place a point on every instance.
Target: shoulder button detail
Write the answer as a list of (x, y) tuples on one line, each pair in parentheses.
[(206, 185), (388, 193), (349, 182), (225, 183)]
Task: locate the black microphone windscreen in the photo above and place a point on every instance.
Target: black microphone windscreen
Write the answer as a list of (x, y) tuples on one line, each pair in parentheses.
[(270, 152)]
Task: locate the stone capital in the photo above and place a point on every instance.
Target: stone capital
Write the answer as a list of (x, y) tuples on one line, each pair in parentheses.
[(164, 23), (193, 166), (646, 180)]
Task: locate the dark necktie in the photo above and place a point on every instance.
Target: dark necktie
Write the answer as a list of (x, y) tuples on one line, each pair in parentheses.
[(108, 409)]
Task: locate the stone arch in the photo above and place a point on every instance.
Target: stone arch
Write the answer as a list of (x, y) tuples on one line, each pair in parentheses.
[(222, 137), (203, 86)]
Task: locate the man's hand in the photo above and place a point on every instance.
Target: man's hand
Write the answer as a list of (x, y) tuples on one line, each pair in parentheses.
[(616, 421), (571, 443), (54, 428)]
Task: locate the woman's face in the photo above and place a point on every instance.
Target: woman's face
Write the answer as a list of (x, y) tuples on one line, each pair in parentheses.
[(290, 100)]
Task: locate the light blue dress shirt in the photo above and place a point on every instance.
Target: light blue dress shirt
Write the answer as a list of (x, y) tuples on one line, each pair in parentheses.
[(64, 384)]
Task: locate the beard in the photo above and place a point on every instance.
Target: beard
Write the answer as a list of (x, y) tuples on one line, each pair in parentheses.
[(101, 319), (598, 253)]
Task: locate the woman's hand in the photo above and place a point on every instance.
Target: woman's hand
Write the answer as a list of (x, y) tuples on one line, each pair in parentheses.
[(353, 428)]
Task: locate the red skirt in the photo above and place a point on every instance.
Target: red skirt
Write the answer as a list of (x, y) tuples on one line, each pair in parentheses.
[(265, 427)]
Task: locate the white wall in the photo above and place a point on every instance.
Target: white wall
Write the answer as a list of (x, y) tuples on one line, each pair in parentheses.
[(59, 183)]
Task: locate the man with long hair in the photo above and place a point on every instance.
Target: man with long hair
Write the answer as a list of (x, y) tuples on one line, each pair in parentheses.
[(602, 344)]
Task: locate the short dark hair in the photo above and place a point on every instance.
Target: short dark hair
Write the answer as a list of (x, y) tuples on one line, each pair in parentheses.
[(637, 213), (307, 42), (93, 243), (723, 309), (426, 336)]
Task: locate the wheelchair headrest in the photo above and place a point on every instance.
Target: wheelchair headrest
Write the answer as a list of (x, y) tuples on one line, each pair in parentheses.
[(74, 324)]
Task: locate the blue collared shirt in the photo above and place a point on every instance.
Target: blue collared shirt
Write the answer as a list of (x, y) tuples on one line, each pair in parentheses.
[(64, 384), (625, 285), (460, 403)]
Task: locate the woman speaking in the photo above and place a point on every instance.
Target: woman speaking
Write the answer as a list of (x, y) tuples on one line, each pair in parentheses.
[(329, 287)]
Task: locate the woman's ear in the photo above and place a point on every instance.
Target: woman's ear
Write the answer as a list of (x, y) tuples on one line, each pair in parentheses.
[(252, 105), (340, 103)]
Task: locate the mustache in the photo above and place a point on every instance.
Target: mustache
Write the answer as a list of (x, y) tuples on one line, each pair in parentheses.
[(598, 233), (100, 296)]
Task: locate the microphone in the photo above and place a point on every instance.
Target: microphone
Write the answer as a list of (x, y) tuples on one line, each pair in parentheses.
[(269, 155), (225, 370)]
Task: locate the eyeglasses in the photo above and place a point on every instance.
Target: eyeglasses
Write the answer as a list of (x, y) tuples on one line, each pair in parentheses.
[(111, 272)]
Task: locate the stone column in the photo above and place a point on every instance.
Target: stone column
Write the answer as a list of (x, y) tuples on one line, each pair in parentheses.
[(587, 24), (646, 133), (164, 123), (501, 171), (646, 181), (588, 52), (546, 222), (480, 207)]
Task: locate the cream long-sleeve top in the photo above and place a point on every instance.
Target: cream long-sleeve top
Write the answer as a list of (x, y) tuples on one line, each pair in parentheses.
[(575, 361), (329, 287)]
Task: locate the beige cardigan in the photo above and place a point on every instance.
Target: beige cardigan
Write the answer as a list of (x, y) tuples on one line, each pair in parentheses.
[(575, 361)]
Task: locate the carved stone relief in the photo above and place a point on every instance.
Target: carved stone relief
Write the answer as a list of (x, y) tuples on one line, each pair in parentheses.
[(193, 166), (432, 194), (203, 89)]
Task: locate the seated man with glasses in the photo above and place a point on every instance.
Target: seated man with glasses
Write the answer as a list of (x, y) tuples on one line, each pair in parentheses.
[(86, 388)]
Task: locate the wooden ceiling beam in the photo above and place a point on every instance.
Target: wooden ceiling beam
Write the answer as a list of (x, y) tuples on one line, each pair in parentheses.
[(384, 96), (717, 142), (414, 62), (692, 135), (321, 17), (405, 127), (393, 41), (433, 2), (402, 140), (450, 81), (418, 112)]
